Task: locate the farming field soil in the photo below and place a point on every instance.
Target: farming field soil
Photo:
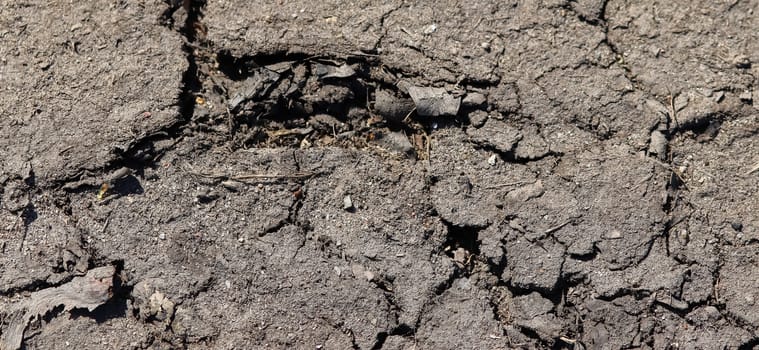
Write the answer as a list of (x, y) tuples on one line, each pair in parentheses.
[(443, 174)]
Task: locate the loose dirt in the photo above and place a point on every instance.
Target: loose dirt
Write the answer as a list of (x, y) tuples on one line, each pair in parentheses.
[(355, 175)]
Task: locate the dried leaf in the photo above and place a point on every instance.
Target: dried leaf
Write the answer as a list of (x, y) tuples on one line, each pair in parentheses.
[(87, 292), (434, 102)]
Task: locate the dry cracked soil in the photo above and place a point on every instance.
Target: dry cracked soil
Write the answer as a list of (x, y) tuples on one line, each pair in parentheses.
[(544, 174)]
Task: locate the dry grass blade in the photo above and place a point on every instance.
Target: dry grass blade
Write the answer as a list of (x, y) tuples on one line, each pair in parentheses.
[(301, 175), (753, 169), (672, 170)]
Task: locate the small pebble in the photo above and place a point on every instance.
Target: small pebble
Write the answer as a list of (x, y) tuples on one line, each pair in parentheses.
[(614, 234), (474, 99), (460, 255), (232, 185), (162, 236), (746, 95), (478, 118), (430, 29), (658, 144), (347, 203)]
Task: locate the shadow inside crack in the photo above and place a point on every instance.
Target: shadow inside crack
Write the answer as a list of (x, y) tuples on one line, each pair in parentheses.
[(127, 185), (29, 214)]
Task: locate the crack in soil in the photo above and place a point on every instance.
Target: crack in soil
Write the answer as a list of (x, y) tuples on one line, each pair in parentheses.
[(378, 42), (279, 117), (141, 152)]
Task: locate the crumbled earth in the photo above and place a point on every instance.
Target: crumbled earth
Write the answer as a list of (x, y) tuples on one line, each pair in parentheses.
[(405, 175)]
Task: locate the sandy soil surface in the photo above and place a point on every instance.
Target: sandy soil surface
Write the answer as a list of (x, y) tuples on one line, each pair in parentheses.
[(379, 175)]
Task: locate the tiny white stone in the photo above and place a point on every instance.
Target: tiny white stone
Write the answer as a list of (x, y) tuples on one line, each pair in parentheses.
[(347, 203), (430, 29)]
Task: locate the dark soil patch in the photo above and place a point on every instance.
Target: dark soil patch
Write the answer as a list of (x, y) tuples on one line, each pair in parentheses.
[(557, 174)]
